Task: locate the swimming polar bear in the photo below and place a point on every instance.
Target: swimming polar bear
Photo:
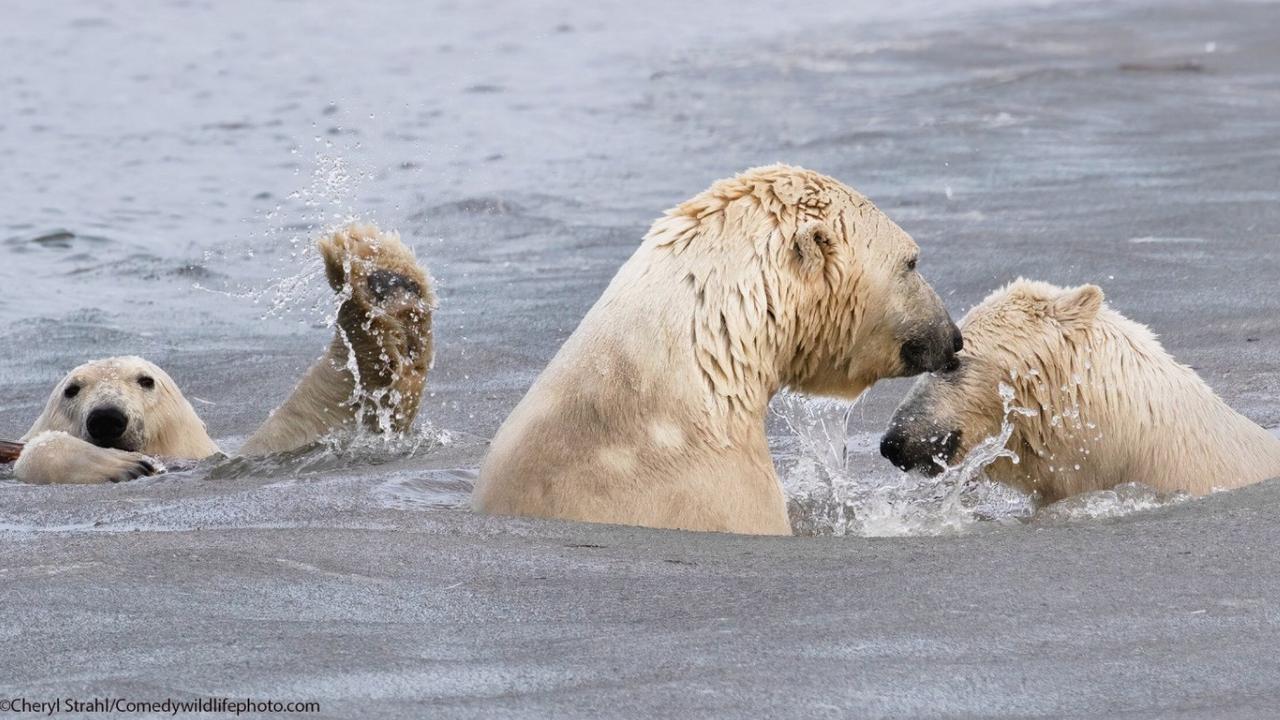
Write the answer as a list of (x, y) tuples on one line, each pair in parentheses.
[(653, 411), (108, 420), (1105, 403)]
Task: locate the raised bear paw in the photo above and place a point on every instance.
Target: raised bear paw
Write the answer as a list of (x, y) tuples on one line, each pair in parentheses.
[(384, 321)]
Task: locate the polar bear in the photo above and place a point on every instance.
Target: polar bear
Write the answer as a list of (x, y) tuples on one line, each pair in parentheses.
[(107, 420), (1105, 403), (653, 411)]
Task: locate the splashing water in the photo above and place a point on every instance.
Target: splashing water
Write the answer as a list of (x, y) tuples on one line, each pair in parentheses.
[(1119, 501), (837, 484), (345, 449), (295, 283), (828, 494)]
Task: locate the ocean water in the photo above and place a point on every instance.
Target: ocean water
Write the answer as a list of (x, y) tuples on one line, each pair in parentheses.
[(167, 205), (167, 166)]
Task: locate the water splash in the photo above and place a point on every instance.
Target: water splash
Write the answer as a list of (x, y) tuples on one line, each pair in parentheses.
[(828, 495), (1117, 502), (837, 484), (968, 471), (339, 450), (296, 284), (294, 287)]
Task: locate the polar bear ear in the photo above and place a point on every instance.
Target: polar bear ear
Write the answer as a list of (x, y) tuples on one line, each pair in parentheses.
[(811, 243), (1078, 306)]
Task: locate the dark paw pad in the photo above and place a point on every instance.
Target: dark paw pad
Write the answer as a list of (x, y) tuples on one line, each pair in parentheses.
[(383, 283)]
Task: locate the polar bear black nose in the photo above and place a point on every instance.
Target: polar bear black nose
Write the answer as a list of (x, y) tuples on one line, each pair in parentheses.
[(908, 452), (106, 424), (893, 446), (957, 340)]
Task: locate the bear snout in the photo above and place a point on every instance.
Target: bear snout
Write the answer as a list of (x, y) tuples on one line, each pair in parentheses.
[(957, 345), (910, 453), (893, 447), (932, 352), (106, 425)]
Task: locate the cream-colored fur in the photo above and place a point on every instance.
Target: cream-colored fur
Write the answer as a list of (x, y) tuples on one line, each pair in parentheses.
[(161, 422), (1109, 404), (377, 363), (373, 373), (54, 456), (652, 413)]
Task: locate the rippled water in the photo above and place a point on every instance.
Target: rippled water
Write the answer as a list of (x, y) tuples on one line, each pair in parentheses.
[(834, 479), (167, 168), (166, 165), (346, 482)]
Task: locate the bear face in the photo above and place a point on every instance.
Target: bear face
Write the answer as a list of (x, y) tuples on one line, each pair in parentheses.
[(1030, 336), (865, 255), (801, 281), (126, 403)]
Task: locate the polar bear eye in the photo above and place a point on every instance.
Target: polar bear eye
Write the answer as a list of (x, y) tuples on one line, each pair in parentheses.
[(147, 382), (911, 264), (71, 391)]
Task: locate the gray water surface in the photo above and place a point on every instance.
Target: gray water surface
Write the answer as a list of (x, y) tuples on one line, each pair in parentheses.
[(166, 164)]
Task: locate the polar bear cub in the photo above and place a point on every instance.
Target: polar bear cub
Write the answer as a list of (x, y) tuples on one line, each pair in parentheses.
[(107, 420), (1106, 403)]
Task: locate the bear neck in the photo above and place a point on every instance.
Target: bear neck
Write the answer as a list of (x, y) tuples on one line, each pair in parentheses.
[(639, 337), (1157, 423)]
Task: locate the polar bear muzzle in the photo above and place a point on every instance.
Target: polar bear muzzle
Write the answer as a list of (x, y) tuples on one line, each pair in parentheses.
[(923, 436), (926, 452), (932, 350), (108, 426)]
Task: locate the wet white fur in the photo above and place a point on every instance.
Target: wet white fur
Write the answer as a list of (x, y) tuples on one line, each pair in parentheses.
[(652, 413), (163, 424), (1110, 404)]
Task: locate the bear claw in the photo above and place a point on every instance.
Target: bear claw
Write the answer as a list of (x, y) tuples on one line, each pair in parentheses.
[(142, 468)]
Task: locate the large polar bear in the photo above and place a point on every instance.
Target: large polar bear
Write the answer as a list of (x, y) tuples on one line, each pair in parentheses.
[(653, 411), (107, 420), (1105, 403)]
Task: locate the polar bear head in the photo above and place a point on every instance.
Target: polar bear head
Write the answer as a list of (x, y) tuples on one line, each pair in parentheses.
[(126, 403), (799, 281), (1039, 340)]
